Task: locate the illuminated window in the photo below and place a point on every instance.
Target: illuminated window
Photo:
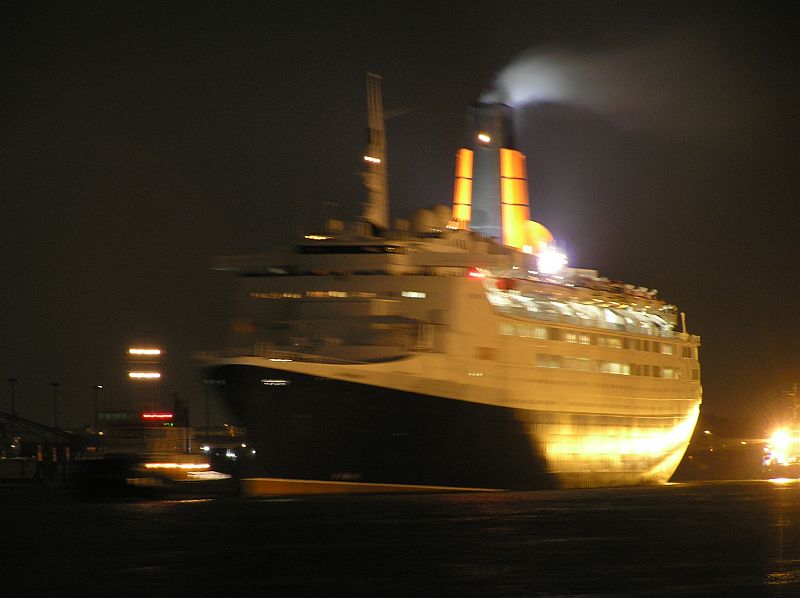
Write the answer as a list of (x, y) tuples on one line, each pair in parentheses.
[(570, 336), (414, 294), (506, 328), (579, 363), (667, 373), (322, 294), (610, 341), (667, 348), (584, 339), (611, 367), (548, 361), (540, 332)]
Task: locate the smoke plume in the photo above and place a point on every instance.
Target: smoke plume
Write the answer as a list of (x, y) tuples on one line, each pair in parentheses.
[(673, 84)]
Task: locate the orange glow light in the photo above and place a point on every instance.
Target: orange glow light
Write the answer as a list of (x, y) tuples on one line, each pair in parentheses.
[(135, 351), (144, 375), (188, 466)]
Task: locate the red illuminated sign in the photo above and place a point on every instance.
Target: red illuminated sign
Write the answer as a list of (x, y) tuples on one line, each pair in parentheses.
[(159, 416)]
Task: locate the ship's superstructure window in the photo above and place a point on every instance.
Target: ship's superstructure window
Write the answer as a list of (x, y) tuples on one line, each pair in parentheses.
[(611, 367), (527, 331), (585, 364), (257, 295), (314, 295), (548, 361), (579, 363), (538, 305), (609, 341), (324, 294), (523, 330), (349, 249)]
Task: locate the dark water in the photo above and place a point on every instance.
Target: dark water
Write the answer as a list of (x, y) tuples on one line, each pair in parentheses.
[(712, 539)]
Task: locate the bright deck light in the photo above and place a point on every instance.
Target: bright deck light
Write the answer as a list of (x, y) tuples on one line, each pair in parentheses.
[(372, 159), (551, 261), (484, 138), (136, 351)]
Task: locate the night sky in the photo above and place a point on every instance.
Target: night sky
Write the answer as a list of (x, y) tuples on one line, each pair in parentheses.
[(141, 138)]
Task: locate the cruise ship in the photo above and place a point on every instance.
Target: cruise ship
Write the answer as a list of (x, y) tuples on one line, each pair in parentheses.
[(456, 349)]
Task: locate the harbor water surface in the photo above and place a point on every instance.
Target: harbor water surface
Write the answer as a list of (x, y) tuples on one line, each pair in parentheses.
[(699, 539)]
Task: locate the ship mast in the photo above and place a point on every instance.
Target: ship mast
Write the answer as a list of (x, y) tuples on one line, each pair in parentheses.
[(376, 179)]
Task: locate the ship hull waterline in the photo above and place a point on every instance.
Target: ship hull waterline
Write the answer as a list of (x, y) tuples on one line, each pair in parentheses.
[(351, 437)]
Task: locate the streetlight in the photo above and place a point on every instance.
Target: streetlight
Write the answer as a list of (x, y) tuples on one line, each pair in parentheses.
[(13, 382), (55, 386), (97, 389)]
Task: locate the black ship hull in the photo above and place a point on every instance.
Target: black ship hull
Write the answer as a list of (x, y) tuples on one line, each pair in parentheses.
[(314, 428)]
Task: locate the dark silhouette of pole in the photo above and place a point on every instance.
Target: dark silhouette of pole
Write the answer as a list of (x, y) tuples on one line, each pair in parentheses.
[(55, 404), (208, 411), (97, 389), (13, 382)]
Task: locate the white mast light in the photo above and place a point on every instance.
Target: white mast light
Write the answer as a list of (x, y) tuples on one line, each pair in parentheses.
[(551, 261)]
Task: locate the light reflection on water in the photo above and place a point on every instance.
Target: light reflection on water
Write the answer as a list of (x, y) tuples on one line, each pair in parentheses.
[(689, 539)]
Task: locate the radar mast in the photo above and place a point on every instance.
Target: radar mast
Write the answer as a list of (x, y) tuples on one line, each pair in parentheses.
[(376, 179)]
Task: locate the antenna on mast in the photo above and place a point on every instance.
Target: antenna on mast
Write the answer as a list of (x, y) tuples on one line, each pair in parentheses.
[(376, 179)]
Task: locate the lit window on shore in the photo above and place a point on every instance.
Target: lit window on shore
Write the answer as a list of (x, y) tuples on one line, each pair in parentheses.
[(257, 295), (667, 348), (667, 373)]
